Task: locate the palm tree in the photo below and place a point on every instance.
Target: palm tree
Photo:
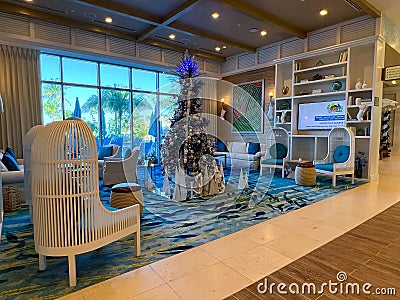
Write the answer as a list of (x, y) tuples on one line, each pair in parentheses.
[(52, 101)]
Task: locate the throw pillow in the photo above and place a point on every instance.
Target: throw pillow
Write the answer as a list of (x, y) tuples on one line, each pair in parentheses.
[(3, 167), (105, 151), (278, 151), (221, 147), (341, 154), (11, 151), (253, 148), (10, 162)]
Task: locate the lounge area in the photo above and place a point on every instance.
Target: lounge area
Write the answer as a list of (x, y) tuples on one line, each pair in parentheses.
[(147, 155)]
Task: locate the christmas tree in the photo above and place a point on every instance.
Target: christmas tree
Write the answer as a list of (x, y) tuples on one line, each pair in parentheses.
[(186, 144)]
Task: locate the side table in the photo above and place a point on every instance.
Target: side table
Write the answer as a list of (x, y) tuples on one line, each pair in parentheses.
[(292, 166)]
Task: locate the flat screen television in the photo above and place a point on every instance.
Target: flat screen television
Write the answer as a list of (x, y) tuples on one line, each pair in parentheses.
[(321, 115)]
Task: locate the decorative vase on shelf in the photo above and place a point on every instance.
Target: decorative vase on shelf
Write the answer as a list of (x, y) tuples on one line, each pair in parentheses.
[(358, 84), (336, 85), (285, 90), (364, 85)]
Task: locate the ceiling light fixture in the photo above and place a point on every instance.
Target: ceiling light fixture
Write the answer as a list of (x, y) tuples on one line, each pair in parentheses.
[(263, 32), (215, 15), (323, 12), (108, 19), (394, 82), (172, 36), (217, 48), (252, 30), (224, 47), (28, 0)]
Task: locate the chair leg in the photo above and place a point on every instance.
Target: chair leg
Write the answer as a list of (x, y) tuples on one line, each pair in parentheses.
[(261, 168), (352, 178), (283, 172), (42, 262), (334, 181), (136, 240), (72, 270), (30, 214)]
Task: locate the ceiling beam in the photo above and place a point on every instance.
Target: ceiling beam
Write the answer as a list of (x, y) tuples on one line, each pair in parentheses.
[(368, 8), (183, 49), (169, 18), (211, 36), (52, 18), (263, 16), (152, 20)]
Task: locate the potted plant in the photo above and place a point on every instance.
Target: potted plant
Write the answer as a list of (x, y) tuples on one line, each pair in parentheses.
[(361, 161)]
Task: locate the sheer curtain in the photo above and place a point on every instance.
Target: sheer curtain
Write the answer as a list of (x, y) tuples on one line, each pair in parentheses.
[(20, 91), (208, 93)]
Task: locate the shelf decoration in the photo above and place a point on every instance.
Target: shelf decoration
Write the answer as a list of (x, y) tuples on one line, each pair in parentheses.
[(361, 111), (336, 85)]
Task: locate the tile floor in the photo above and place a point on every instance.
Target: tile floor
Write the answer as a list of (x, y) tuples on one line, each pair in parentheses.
[(222, 267)]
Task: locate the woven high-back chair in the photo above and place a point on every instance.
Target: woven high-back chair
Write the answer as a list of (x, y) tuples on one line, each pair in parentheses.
[(340, 157), (68, 216), (277, 150), (28, 141)]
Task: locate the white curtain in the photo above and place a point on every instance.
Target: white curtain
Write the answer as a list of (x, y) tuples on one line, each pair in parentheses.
[(208, 93), (20, 91)]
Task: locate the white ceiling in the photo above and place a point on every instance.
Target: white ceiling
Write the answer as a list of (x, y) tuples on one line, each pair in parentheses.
[(391, 8)]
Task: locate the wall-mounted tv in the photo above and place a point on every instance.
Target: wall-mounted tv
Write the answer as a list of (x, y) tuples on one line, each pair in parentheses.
[(321, 115)]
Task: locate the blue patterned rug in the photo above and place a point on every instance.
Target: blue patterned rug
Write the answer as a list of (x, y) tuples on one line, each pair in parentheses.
[(168, 227)]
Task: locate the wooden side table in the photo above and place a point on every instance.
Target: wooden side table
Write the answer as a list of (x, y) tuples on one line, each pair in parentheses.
[(292, 166)]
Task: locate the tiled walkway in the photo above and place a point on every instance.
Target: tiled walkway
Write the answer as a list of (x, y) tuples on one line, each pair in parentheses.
[(367, 254), (225, 266)]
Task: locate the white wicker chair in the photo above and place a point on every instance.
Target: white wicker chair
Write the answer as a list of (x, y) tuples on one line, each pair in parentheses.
[(68, 216), (118, 170), (340, 157), (28, 141), (277, 150)]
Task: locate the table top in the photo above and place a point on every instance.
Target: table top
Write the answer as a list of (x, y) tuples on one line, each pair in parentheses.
[(219, 154), (293, 161)]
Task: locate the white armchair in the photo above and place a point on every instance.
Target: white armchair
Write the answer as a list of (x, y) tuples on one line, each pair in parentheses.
[(116, 153), (68, 216), (118, 170), (340, 157)]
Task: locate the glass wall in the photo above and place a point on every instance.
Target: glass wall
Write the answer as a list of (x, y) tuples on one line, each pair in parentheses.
[(122, 105)]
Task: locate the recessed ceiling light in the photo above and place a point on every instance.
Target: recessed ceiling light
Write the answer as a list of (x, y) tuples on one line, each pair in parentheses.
[(224, 47), (108, 19), (217, 48), (394, 81), (263, 32), (215, 15), (172, 36), (253, 30), (28, 0), (323, 12)]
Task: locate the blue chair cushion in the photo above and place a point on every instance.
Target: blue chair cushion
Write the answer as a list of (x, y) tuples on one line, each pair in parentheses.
[(272, 161), (325, 167), (221, 147), (253, 148), (10, 162), (278, 151), (11, 151), (341, 154), (105, 151)]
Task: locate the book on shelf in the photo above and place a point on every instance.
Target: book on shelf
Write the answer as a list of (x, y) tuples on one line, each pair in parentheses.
[(343, 56)]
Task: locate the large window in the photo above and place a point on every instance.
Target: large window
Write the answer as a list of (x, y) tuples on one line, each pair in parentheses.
[(122, 105)]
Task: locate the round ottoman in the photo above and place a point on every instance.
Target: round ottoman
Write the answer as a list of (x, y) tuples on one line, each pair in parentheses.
[(126, 194), (305, 174)]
